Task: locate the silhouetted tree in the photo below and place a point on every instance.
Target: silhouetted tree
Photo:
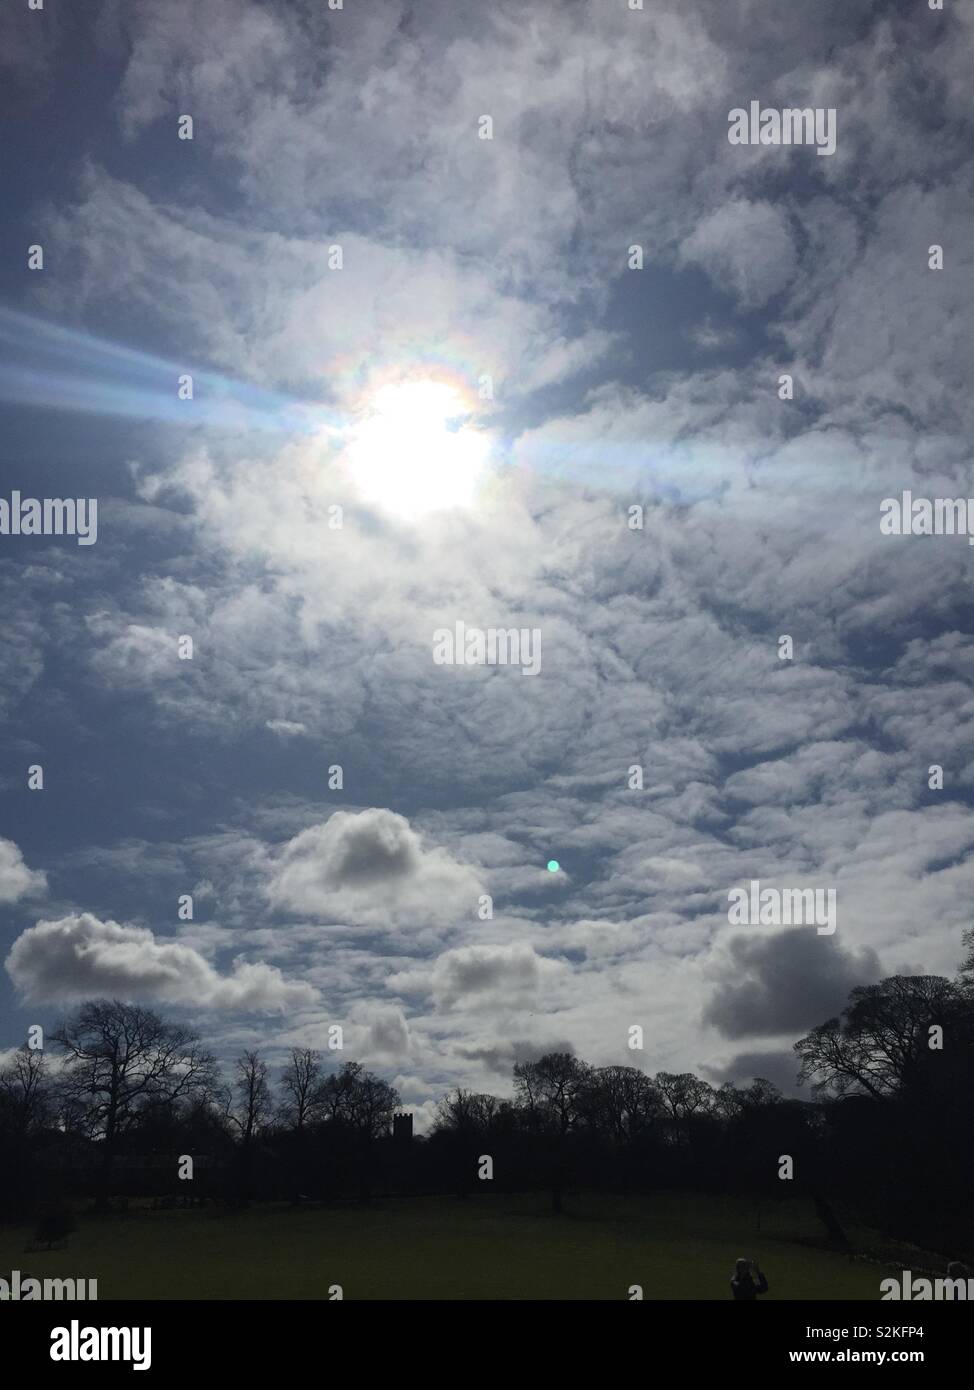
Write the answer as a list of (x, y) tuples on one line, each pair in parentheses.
[(880, 1044), (253, 1096), (684, 1097), (620, 1102), (466, 1112), (301, 1082), (360, 1107), (466, 1121), (359, 1100), (25, 1092), (551, 1093), (120, 1061)]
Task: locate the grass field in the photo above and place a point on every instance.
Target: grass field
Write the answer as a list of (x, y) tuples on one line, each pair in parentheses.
[(678, 1247)]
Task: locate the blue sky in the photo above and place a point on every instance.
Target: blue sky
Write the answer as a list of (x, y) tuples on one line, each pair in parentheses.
[(465, 259)]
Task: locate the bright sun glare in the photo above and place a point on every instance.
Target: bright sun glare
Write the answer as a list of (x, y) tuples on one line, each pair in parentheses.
[(414, 451)]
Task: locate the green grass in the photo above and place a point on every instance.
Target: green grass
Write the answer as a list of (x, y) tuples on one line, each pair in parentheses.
[(675, 1246)]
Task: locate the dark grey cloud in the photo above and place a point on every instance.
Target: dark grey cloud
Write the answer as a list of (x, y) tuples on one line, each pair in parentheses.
[(502, 1057), (785, 983), (780, 1068)]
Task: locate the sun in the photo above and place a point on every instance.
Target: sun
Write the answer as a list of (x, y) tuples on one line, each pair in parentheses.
[(413, 449)]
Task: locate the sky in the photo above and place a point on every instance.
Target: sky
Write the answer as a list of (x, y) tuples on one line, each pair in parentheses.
[(430, 386)]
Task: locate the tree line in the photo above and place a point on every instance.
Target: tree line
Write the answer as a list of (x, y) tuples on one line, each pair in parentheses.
[(121, 1098)]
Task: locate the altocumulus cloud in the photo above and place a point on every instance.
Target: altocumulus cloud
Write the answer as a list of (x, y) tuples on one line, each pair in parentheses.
[(80, 955), (641, 629), (370, 867)]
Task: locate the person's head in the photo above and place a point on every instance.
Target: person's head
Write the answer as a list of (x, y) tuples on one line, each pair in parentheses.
[(742, 1267)]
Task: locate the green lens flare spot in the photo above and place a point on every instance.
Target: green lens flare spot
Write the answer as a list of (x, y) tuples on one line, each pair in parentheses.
[(553, 866)]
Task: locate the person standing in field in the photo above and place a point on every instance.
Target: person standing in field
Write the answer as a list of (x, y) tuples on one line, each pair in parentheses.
[(748, 1281)]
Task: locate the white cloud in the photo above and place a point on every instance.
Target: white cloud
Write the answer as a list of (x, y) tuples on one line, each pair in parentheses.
[(133, 653), (746, 247), (287, 728), (80, 955), (16, 880), (370, 867)]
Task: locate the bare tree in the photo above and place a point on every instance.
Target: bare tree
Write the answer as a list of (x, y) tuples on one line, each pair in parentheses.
[(301, 1081), (120, 1061), (621, 1102), (880, 1045), (360, 1105), (24, 1088), (684, 1096), (253, 1094), (374, 1103), (359, 1100), (550, 1093), (467, 1112), (335, 1094), (551, 1090)]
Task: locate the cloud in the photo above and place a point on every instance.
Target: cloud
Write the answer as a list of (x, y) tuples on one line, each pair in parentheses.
[(16, 880), (80, 955), (778, 1067), (287, 728), (746, 247), (379, 1033), (406, 97), (708, 336), (315, 328), (477, 976), (502, 1057), (133, 653), (371, 867), (509, 258), (785, 983)]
